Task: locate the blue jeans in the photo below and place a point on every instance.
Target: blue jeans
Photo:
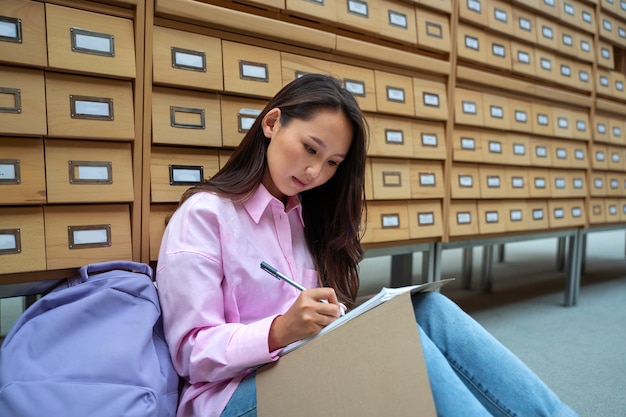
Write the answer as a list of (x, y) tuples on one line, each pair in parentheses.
[(470, 372)]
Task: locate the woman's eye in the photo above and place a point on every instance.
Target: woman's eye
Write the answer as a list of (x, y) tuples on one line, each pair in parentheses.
[(333, 163), (309, 149)]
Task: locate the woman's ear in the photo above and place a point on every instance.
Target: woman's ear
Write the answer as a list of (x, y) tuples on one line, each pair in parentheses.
[(271, 122)]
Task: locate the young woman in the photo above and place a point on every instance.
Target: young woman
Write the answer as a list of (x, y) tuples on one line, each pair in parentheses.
[(292, 195)]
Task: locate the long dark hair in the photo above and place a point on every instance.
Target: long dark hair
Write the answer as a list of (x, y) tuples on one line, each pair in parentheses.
[(332, 212)]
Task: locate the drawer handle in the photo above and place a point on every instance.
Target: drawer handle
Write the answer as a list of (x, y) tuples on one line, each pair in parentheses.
[(463, 217), (515, 215), (188, 60), (492, 217), (395, 94), (91, 236), (434, 30), (430, 99), (94, 43), (394, 137), (10, 29), (10, 241), (357, 88), (91, 108), (398, 19), (559, 213), (538, 214), (90, 172), (427, 179), (493, 181), (253, 71), (186, 111), (468, 144), (358, 7), (390, 221), (246, 118), (10, 171), (17, 100), (495, 147), (426, 219), (186, 174), (429, 139), (392, 179)]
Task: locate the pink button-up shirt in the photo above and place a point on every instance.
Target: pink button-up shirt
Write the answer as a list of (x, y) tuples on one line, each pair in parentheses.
[(218, 304)]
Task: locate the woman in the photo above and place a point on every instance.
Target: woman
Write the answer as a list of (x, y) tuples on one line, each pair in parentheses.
[(292, 195)]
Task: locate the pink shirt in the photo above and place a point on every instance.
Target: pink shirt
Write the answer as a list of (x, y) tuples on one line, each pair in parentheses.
[(218, 304)]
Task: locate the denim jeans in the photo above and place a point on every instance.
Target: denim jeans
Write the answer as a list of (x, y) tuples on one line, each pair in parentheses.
[(470, 372)]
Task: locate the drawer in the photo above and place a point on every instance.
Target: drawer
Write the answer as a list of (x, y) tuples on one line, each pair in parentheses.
[(463, 218), (601, 131), (500, 17), (397, 21), (426, 179), (538, 214), (517, 216), (360, 15), (566, 213), (604, 52), (599, 157), (472, 44), (440, 5), (523, 59), (465, 181), (431, 101), (90, 42), (89, 107), (548, 33), (78, 235), (614, 157), (22, 101), (294, 66), (585, 17), (583, 73), (546, 64), (518, 152), (429, 140), (521, 121), (187, 59), (613, 182), (516, 183), (603, 82), (539, 183), (467, 146), (316, 9), (563, 123), (598, 184), (569, 154), (251, 70), (238, 116), (567, 42), (391, 179), (607, 27), (88, 171), (492, 182), (22, 243), (22, 177), (616, 131), (386, 222), (394, 94), (542, 119), (174, 170), (582, 129), (492, 216), (390, 136), (23, 39), (183, 117), (360, 82), (433, 30), (562, 183), (159, 214), (468, 107), (612, 210), (499, 53), (425, 219), (583, 47), (617, 83), (524, 25), (597, 210), (494, 147), (496, 112), (540, 152), (475, 11)]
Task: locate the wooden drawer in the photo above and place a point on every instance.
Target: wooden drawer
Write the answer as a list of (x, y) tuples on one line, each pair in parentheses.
[(601, 131), (386, 222), (546, 65), (88, 171), (467, 146), (174, 170), (426, 179), (582, 128), (614, 157), (187, 59), (159, 213), (548, 33), (603, 83), (599, 157), (597, 210), (251, 70), (294, 66), (523, 59), (613, 184), (360, 82), (496, 112), (441, 5), (468, 107), (499, 53), (583, 47), (22, 101), (539, 182), (524, 25), (563, 123), (472, 44), (22, 178), (463, 219), (521, 120), (425, 219), (391, 179), (617, 84), (599, 187), (23, 39), (516, 182), (492, 182), (566, 213), (397, 21), (606, 58), (89, 107), (542, 119), (475, 11), (394, 94), (539, 217), (567, 183), (465, 181), (78, 235), (22, 243), (540, 152), (317, 9), (492, 216), (90, 42), (360, 15), (429, 140), (612, 209), (183, 117), (616, 131), (238, 116), (433, 30), (500, 17), (390, 136), (431, 101), (517, 150), (517, 216)]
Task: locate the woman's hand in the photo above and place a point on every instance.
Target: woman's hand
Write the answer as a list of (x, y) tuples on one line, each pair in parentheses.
[(306, 317)]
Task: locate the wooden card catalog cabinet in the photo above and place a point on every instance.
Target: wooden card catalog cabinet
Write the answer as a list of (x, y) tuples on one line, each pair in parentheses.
[(496, 111), (386, 222), (22, 101), (22, 244), (397, 21), (426, 179), (89, 107), (433, 30), (22, 177), (492, 216), (468, 107), (391, 179), (467, 146), (23, 32), (425, 219), (538, 214), (429, 140), (431, 100), (394, 94), (238, 115), (390, 136), (90, 42), (464, 181), (463, 219), (88, 171), (77, 235), (187, 59), (251, 70), (472, 44), (524, 25), (188, 118)]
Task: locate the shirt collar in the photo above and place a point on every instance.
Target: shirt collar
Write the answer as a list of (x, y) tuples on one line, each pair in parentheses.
[(261, 198)]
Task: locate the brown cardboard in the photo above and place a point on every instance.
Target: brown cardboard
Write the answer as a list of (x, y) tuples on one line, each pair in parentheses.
[(370, 366)]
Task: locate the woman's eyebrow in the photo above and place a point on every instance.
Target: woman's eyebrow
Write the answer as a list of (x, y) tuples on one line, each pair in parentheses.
[(323, 145)]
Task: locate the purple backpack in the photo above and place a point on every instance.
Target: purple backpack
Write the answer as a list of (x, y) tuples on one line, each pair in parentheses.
[(92, 347)]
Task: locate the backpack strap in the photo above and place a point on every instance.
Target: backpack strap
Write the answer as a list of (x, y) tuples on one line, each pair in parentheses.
[(92, 269)]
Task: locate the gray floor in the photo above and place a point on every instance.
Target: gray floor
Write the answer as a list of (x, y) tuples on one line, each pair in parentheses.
[(580, 351)]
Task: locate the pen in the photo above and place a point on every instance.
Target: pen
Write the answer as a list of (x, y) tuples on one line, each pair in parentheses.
[(279, 275)]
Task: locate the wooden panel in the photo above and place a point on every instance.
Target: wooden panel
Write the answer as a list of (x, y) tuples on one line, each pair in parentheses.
[(23, 101), (22, 244), (22, 177), (25, 32)]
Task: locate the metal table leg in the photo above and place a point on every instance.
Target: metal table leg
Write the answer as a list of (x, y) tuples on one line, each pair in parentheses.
[(486, 283), (466, 268), (401, 270)]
